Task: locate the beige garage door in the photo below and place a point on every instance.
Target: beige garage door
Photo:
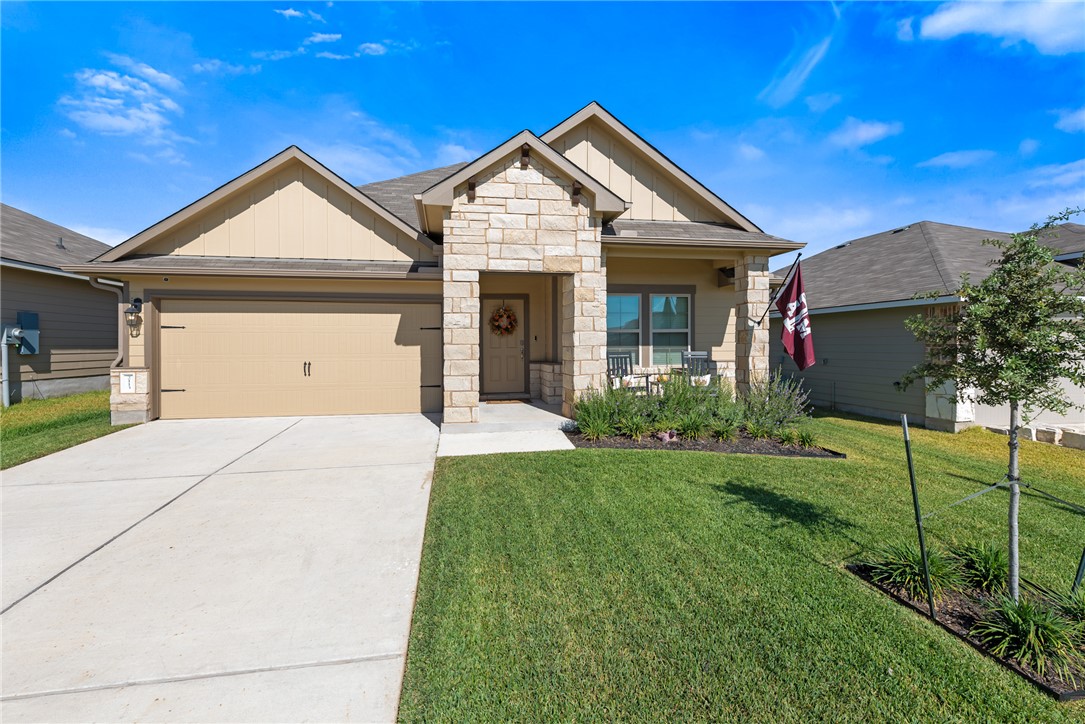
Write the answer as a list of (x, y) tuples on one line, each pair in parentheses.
[(260, 358)]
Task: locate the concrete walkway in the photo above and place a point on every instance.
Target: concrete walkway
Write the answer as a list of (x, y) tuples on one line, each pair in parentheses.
[(505, 427), (215, 570)]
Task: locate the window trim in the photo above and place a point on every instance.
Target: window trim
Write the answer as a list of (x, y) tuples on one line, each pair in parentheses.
[(646, 291)]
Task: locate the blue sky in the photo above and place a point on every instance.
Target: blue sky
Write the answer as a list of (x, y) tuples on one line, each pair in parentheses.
[(821, 122)]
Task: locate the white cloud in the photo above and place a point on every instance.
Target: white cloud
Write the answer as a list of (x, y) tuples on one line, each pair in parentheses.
[(104, 234), (116, 104), (1060, 175), (146, 72), (1028, 147), (323, 38), (957, 159), (372, 49), (215, 66), (822, 101), (67, 133), (820, 225), (450, 153), (1071, 121), (783, 89), (278, 54), (333, 56), (856, 133), (750, 152), (316, 16), (289, 13), (1054, 28), (904, 30)]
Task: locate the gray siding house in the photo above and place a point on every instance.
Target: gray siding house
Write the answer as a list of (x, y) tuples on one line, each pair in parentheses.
[(860, 293), (79, 323)]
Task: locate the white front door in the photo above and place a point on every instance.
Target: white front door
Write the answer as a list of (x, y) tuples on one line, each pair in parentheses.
[(503, 355)]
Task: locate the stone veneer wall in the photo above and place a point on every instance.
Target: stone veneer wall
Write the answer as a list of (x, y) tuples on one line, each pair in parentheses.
[(752, 343), (522, 220), (546, 382), (126, 408)]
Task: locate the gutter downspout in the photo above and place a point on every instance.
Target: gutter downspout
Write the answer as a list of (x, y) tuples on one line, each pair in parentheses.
[(122, 339), (7, 377)]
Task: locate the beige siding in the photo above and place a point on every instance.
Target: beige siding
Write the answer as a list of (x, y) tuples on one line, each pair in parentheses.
[(859, 357), (293, 214), (265, 288), (713, 307), (999, 415), (655, 194), (78, 324)]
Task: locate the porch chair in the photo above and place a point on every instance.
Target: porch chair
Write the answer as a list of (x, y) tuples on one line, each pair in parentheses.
[(695, 366), (620, 371)]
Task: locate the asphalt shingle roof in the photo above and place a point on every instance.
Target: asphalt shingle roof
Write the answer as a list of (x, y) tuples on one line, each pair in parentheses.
[(1068, 238), (397, 194), (896, 265), (32, 240), (686, 230)]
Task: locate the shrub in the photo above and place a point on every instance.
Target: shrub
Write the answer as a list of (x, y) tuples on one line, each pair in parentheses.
[(594, 414), (787, 436), (900, 566), (1072, 607), (1031, 633), (665, 423), (775, 401), (984, 566), (634, 425), (807, 439), (759, 430), (724, 430), (693, 424)]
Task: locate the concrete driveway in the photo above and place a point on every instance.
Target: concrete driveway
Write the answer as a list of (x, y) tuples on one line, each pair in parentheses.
[(215, 570)]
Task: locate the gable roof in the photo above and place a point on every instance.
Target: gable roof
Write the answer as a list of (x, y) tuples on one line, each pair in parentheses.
[(32, 240), (595, 111), (898, 264), (1066, 239), (441, 193), (273, 164), (397, 194)]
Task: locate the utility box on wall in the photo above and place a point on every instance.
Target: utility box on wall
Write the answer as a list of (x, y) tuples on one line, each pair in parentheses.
[(30, 340)]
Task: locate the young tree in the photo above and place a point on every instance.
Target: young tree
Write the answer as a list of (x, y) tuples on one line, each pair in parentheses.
[(1012, 338)]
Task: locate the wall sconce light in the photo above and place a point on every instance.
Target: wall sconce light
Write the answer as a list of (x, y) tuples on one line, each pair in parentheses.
[(132, 318)]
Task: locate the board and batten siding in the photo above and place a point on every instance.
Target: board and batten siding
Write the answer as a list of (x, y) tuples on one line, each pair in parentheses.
[(859, 357), (78, 325), (655, 195), (713, 306), (295, 213)]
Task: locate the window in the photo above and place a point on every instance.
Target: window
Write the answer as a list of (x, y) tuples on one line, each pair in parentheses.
[(670, 328), (623, 325)]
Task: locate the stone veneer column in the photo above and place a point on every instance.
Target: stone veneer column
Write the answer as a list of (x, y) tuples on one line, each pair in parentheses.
[(752, 343), (522, 220)]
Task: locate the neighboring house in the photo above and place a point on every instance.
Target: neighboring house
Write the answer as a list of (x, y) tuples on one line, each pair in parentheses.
[(860, 293), (288, 291), (78, 323)]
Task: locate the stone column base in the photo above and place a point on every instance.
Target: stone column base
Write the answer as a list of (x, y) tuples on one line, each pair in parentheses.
[(129, 395)]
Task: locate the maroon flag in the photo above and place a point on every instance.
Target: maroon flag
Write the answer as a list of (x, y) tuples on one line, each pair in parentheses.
[(796, 335)]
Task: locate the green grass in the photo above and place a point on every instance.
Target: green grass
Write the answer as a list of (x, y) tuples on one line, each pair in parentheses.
[(35, 428), (675, 586)]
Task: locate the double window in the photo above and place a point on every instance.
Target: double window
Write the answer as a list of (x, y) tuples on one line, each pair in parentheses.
[(653, 327)]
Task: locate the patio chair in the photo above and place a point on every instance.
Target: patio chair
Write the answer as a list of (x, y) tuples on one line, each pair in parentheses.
[(695, 366), (620, 372)]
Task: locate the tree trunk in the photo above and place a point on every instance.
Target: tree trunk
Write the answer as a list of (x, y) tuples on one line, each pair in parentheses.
[(1015, 502)]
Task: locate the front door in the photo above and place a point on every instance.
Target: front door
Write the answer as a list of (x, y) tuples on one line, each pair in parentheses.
[(503, 355)]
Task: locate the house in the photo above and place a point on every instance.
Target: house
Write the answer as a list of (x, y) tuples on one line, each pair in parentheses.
[(288, 291), (860, 293), (76, 321)]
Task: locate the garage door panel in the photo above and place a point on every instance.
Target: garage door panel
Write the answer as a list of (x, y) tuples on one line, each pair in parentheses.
[(241, 358)]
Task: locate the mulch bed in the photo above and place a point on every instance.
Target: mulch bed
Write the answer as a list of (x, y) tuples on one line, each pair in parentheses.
[(742, 443), (957, 612)]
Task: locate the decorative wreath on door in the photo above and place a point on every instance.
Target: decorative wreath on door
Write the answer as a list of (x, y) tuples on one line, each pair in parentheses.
[(503, 321)]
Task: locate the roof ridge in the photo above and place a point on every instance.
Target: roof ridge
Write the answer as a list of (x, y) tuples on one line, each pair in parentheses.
[(936, 254)]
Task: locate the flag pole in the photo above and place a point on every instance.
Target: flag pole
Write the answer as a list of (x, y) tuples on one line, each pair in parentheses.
[(778, 290)]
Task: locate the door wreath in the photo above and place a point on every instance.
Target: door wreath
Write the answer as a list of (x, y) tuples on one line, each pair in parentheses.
[(503, 321)]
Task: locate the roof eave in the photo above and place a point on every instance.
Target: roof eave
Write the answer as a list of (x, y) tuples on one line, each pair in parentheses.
[(779, 246), (119, 271)]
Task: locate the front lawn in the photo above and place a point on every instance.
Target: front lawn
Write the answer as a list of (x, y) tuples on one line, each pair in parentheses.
[(35, 428), (666, 586)]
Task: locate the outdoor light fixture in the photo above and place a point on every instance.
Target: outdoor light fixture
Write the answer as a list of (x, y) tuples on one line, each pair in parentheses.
[(132, 318)]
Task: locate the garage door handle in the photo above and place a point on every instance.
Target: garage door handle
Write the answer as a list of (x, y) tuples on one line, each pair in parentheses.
[(181, 390)]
